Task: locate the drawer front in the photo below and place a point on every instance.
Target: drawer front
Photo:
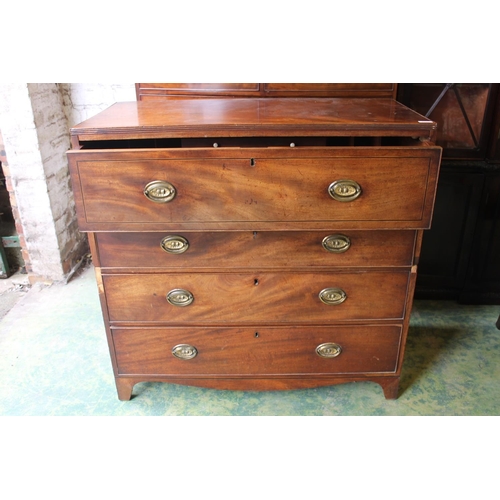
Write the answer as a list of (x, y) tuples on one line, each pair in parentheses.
[(248, 189), (257, 351), (268, 298), (257, 249)]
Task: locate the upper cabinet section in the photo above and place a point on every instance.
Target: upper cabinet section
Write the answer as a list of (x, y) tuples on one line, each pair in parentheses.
[(148, 91), (154, 91), (329, 89)]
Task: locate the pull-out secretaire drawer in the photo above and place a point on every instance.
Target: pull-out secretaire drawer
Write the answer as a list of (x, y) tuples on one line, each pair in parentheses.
[(257, 351), (255, 249), (238, 188), (244, 298)]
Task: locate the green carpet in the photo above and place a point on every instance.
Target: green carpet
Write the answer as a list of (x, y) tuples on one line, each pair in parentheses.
[(54, 361)]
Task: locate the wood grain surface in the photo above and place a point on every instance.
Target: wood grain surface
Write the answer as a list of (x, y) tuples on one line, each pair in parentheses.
[(259, 297), (257, 351)]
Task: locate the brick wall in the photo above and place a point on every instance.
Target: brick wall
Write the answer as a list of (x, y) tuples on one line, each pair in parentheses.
[(35, 119), (83, 100)]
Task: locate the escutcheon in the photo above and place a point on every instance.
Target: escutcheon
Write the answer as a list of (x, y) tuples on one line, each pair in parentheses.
[(328, 350), (336, 243), (159, 191), (332, 296), (179, 297), (344, 190), (174, 244), (184, 351)]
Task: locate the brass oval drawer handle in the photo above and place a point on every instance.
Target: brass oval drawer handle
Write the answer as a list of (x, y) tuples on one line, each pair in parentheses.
[(184, 351), (336, 243), (332, 296), (174, 244), (179, 297), (160, 191), (328, 350), (344, 190)]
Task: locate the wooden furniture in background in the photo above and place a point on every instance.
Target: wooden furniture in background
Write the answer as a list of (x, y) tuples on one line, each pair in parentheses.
[(459, 258), (256, 243)]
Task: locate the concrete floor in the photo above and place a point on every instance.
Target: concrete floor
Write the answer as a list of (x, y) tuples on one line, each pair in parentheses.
[(12, 290), (55, 361)]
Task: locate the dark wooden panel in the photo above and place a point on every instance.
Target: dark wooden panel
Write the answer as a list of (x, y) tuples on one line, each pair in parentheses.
[(447, 246), (257, 351), (494, 139), (459, 253), (482, 284), (252, 249), (240, 298)]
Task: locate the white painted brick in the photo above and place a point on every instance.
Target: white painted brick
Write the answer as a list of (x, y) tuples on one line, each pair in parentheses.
[(35, 119), (84, 100)]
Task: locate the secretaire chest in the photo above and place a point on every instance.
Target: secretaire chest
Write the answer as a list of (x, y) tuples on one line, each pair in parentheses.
[(256, 244)]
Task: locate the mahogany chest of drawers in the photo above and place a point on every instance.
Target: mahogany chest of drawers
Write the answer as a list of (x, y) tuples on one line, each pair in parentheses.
[(256, 244)]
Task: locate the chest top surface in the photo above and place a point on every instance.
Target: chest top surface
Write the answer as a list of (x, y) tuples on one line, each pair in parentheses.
[(255, 117)]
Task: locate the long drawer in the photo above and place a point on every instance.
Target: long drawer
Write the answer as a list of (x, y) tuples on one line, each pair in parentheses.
[(256, 249), (240, 298), (386, 187), (257, 351)]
